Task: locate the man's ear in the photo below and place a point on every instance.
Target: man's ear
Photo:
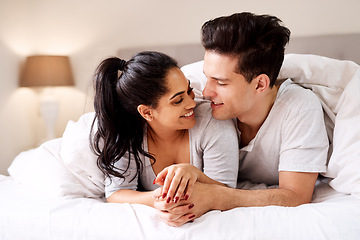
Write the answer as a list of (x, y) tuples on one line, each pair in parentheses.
[(262, 82), (145, 112)]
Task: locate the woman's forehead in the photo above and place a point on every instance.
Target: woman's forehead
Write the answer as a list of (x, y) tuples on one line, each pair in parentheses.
[(176, 81)]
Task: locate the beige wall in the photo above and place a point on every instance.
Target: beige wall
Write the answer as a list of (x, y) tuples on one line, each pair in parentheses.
[(90, 30)]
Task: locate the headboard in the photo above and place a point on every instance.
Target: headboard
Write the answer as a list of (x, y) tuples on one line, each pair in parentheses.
[(338, 46), (183, 53)]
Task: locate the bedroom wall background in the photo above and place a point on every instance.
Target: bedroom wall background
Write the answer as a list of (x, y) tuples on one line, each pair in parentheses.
[(91, 30)]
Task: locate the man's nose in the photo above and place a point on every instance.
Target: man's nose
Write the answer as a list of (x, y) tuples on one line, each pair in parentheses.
[(207, 90)]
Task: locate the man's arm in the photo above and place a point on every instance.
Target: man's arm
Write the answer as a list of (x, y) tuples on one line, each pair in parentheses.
[(294, 189)]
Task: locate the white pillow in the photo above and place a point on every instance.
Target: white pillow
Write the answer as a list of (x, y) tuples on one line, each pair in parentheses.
[(42, 170), (64, 167), (78, 157), (194, 72)]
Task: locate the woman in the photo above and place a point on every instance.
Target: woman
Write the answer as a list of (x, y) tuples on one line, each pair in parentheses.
[(149, 132)]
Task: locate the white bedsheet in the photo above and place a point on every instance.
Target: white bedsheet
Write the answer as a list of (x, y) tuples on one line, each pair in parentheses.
[(25, 215)]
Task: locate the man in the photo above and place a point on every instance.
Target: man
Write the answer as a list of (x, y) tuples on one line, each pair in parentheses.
[(283, 140)]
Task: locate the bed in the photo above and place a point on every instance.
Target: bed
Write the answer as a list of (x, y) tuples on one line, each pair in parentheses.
[(56, 191)]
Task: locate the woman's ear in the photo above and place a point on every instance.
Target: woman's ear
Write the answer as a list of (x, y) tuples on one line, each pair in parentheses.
[(145, 112), (263, 82)]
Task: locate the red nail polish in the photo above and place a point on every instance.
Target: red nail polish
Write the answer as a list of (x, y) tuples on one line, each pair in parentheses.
[(164, 195), (192, 216), (168, 199), (186, 197), (191, 206), (154, 181), (176, 199)]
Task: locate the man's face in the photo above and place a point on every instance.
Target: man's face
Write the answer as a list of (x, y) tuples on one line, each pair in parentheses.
[(230, 94)]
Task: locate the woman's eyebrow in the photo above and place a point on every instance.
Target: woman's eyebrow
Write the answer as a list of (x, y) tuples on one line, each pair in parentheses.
[(176, 94), (179, 93)]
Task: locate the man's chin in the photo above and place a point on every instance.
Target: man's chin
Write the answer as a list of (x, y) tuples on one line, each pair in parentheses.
[(217, 115)]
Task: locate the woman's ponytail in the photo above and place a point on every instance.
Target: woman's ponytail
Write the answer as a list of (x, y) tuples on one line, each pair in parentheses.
[(110, 140)]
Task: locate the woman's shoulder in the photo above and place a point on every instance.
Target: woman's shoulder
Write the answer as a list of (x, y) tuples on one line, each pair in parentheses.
[(205, 120), (202, 108)]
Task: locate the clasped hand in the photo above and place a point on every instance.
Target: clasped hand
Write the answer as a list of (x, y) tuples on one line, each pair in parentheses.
[(178, 181), (175, 201)]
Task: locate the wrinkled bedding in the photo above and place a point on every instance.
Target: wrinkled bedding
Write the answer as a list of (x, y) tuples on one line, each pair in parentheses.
[(26, 215)]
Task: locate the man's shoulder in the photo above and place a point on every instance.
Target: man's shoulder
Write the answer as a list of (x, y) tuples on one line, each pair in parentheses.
[(295, 96)]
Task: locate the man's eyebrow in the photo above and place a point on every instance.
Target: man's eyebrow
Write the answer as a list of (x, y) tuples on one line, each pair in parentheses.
[(221, 79), (217, 78)]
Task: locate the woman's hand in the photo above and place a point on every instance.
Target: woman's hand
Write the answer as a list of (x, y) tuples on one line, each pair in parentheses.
[(177, 214), (178, 181)]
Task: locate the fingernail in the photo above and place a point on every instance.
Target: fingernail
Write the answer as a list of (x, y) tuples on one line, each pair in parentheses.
[(192, 216), (168, 199), (176, 199), (186, 197), (154, 181), (164, 195), (191, 206)]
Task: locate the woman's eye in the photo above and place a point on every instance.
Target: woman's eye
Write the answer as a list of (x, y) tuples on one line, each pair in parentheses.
[(190, 90), (178, 102)]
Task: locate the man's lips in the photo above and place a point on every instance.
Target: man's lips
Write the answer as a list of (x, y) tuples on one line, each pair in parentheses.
[(216, 104)]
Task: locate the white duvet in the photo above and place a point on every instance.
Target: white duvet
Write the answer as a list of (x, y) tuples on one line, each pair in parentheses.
[(26, 215), (56, 191)]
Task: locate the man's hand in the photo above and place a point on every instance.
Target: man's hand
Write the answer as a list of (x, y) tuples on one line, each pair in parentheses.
[(177, 214)]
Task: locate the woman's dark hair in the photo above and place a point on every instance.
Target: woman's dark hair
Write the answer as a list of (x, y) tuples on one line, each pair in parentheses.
[(257, 40), (119, 126)]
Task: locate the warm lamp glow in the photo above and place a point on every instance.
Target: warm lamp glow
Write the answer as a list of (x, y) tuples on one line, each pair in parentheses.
[(46, 71)]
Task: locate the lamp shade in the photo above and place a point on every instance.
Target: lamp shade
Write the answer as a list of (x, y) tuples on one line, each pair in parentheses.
[(46, 71)]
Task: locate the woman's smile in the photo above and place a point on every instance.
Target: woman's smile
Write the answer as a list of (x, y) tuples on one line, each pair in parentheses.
[(189, 114)]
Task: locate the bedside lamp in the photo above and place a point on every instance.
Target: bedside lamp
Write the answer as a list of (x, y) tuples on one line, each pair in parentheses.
[(47, 71)]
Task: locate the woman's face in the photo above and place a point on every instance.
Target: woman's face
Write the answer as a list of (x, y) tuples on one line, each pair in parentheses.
[(175, 109)]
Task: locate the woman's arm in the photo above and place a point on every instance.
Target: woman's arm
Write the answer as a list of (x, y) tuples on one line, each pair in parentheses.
[(131, 196)]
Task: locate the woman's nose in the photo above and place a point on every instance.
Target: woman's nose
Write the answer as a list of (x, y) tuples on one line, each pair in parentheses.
[(191, 103)]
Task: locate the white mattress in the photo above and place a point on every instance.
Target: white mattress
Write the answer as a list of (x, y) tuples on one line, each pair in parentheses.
[(26, 215)]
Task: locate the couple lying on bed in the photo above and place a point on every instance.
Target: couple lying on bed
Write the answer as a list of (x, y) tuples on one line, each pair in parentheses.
[(160, 147)]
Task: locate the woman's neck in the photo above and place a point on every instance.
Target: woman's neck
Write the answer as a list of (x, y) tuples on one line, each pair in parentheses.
[(168, 148), (165, 136)]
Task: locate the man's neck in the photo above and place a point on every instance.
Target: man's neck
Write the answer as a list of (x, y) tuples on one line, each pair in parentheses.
[(250, 125)]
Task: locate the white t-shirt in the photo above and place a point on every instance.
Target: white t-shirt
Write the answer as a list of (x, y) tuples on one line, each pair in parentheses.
[(213, 149), (292, 138)]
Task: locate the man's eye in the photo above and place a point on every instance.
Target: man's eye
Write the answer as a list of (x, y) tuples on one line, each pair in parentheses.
[(220, 83)]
